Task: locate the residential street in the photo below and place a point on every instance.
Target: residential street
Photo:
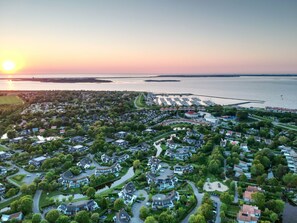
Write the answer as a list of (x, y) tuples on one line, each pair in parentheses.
[(36, 201), (218, 201), (198, 196), (136, 206)]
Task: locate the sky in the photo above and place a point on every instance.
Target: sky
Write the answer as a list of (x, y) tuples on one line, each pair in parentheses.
[(149, 36)]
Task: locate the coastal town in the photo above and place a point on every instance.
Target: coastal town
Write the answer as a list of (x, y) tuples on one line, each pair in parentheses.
[(104, 156)]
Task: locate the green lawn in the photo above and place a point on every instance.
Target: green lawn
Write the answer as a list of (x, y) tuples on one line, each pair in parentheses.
[(18, 179), (10, 100), (140, 102), (8, 202), (232, 210), (2, 148)]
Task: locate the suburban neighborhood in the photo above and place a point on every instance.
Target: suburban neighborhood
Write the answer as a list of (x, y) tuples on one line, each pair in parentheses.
[(92, 156)]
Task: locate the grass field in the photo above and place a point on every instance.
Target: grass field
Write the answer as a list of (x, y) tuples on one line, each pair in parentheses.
[(140, 102), (10, 100), (18, 179), (8, 202), (2, 148)]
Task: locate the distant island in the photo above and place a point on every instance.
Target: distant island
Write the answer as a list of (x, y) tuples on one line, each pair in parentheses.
[(162, 80), (61, 80)]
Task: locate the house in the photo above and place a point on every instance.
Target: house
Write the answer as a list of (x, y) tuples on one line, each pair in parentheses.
[(122, 217), (154, 163), (180, 170), (127, 193), (37, 162), (248, 214), (122, 158), (268, 141), (69, 180), (4, 155), (77, 139), (144, 147), (2, 189), (191, 114), (291, 157), (250, 190), (223, 142), (121, 134), (179, 154), (3, 171), (165, 201), (84, 163), (244, 147), (103, 170), (73, 208), (149, 131), (112, 159), (121, 143), (18, 217), (162, 182), (77, 149), (257, 138)]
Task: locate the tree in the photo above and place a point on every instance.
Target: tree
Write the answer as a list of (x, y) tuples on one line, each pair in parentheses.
[(91, 192), (257, 169), (11, 192), (165, 217), (290, 180), (95, 217), (197, 219), (226, 198), (143, 212), (36, 218), (273, 217), (82, 217), (242, 115), (52, 216), (119, 204), (259, 199), (136, 164), (150, 219), (25, 204), (206, 210), (277, 206), (11, 134), (63, 219)]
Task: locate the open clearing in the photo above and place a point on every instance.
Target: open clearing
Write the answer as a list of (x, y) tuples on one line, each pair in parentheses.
[(10, 100)]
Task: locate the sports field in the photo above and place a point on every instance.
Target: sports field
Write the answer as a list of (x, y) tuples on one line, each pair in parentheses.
[(10, 100)]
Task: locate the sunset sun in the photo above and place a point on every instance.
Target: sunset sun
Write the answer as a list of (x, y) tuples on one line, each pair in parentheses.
[(8, 66)]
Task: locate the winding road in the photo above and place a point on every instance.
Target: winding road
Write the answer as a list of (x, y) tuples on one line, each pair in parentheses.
[(198, 196), (36, 200), (136, 207)]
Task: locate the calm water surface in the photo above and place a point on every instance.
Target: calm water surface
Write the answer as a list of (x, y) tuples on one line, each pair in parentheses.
[(275, 91)]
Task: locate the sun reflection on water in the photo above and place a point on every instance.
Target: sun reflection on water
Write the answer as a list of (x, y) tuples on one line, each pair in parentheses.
[(10, 85)]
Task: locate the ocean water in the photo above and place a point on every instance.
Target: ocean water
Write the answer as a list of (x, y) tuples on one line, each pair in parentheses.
[(273, 91)]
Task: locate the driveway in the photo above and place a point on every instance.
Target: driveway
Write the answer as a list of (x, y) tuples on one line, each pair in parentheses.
[(136, 206), (198, 196), (36, 201)]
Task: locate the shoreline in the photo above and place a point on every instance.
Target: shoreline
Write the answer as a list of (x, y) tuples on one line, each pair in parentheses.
[(60, 80)]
